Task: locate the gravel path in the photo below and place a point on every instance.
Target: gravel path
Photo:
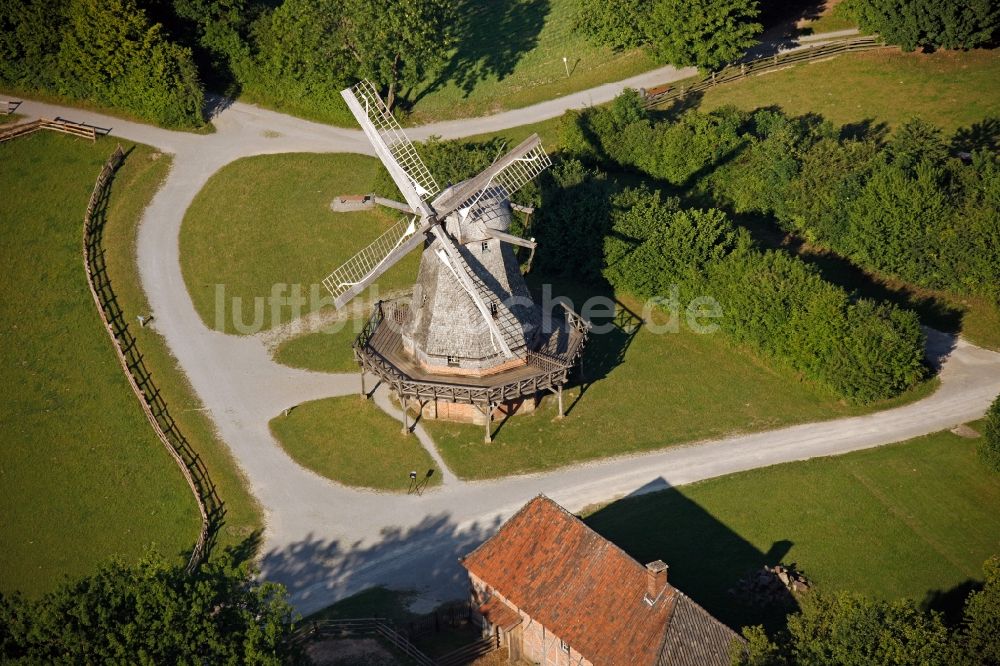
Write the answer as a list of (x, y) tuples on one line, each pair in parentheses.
[(325, 541)]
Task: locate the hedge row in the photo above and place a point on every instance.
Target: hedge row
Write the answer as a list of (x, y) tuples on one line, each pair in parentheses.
[(771, 301), (105, 51), (915, 206)]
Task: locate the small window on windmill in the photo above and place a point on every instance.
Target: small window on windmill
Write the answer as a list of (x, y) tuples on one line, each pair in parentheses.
[(452, 361), (564, 646), (494, 309), (486, 246)]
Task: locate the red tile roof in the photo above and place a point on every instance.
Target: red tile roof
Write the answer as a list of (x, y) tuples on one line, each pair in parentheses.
[(500, 614), (590, 593)]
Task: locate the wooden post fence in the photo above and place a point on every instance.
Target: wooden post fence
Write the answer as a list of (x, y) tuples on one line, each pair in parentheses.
[(131, 363), (659, 96)]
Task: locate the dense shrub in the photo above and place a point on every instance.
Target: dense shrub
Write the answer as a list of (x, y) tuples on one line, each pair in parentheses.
[(771, 301), (706, 33), (151, 612), (989, 443), (850, 629), (905, 207), (929, 23), (104, 51)]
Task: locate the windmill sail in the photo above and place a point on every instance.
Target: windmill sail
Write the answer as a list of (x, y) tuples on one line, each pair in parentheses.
[(358, 272), (391, 145), (504, 177)]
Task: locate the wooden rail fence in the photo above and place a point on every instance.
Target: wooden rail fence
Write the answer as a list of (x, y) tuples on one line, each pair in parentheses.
[(8, 107), (58, 125), (663, 95), (372, 626), (131, 361), (469, 653)]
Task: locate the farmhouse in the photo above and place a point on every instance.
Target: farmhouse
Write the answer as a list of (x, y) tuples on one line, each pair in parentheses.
[(555, 592)]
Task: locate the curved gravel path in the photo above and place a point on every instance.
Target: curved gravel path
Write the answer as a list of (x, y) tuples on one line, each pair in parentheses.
[(325, 541)]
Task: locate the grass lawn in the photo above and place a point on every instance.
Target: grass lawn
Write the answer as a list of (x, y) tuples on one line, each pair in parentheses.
[(915, 519), (243, 519), (327, 350), (831, 18), (951, 89), (649, 391), (488, 73), (82, 475), (352, 442), (265, 221)]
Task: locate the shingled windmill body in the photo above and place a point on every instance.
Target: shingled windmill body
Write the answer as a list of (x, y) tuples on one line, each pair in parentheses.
[(470, 341)]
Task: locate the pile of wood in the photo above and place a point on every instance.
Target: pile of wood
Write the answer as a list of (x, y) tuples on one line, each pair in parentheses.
[(770, 586)]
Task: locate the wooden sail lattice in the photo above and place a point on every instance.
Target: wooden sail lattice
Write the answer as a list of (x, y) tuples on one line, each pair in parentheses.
[(514, 176), (351, 274), (400, 147), (501, 180)]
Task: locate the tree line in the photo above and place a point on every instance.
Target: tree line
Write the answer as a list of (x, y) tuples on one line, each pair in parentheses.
[(713, 33), (152, 612), (154, 58), (912, 205), (846, 629)]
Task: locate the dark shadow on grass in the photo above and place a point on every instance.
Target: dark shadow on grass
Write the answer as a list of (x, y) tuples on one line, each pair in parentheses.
[(656, 521), (674, 110), (707, 559), (613, 328), (867, 129), (984, 135), (951, 602), (492, 39)]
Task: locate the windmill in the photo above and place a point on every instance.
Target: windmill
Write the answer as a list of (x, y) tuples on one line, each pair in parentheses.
[(471, 327)]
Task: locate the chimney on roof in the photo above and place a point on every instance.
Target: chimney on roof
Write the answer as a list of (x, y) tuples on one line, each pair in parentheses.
[(656, 581)]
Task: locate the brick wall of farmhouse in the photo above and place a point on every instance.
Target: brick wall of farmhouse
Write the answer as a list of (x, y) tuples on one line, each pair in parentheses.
[(538, 644)]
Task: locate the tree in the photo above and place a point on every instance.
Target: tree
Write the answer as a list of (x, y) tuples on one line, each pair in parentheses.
[(845, 629), (978, 640), (151, 612), (397, 42), (112, 54), (217, 32), (706, 33), (29, 41), (929, 23), (989, 443), (300, 59), (613, 23), (917, 141)]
